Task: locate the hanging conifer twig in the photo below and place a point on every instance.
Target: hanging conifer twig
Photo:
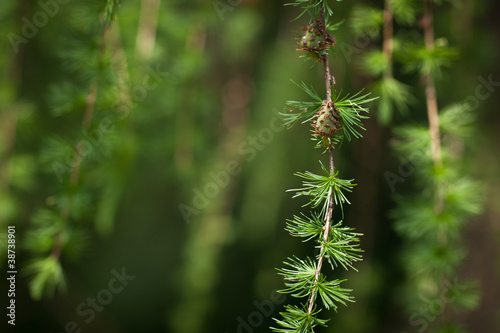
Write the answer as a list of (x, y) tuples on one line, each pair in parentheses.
[(333, 119), (432, 220), (54, 232)]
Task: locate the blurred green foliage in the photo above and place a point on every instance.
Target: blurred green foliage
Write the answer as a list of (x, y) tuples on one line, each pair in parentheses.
[(188, 88)]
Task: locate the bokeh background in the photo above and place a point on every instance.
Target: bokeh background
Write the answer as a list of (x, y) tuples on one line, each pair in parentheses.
[(194, 202)]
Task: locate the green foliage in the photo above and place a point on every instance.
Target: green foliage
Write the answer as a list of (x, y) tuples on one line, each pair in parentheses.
[(331, 293), (313, 7), (417, 58), (434, 249), (457, 120), (375, 63), (47, 277), (323, 187), (300, 277), (351, 110), (307, 227), (468, 296), (378, 64), (298, 320), (393, 95), (412, 139), (110, 10), (334, 118), (65, 98), (48, 225), (342, 247), (366, 20), (72, 155), (405, 11), (302, 111), (228, 68), (431, 222)]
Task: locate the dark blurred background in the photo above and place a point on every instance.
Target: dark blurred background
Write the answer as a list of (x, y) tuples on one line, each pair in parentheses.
[(201, 206)]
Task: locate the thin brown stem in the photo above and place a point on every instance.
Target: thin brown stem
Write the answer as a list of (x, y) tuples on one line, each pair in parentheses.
[(433, 116), (388, 43), (430, 89), (329, 82), (329, 79), (431, 99), (326, 230), (146, 34)]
